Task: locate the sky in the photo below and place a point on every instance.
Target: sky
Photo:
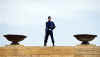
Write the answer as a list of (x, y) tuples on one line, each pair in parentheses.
[(28, 17)]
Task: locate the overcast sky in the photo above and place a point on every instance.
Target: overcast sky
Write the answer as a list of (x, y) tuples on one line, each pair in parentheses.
[(28, 17)]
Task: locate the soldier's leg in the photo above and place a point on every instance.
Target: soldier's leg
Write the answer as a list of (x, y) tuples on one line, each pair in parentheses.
[(52, 38), (46, 38)]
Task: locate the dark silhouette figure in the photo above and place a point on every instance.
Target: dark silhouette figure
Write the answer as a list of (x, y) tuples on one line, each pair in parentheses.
[(50, 26)]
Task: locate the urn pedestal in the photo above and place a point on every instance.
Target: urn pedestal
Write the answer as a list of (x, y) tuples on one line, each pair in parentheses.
[(85, 38), (15, 39)]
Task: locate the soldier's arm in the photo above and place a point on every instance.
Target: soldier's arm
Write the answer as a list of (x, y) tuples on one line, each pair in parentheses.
[(53, 25), (47, 26)]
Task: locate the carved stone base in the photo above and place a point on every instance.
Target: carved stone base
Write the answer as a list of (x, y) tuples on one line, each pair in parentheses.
[(87, 51)]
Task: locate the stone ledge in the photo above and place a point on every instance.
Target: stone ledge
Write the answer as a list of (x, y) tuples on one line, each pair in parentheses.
[(58, 51)]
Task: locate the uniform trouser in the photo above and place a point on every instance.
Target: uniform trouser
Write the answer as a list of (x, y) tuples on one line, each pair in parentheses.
[(46, 37)]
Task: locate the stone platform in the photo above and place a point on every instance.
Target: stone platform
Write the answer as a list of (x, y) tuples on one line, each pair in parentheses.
[(58, 51)]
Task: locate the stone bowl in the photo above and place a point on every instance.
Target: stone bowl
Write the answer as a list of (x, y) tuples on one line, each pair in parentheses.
[(85, 38), (14, 38)]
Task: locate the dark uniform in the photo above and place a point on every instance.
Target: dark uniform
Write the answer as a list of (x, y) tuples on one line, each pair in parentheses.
[(49, 31)]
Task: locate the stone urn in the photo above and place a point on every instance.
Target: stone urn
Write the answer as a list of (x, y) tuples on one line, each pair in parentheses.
[(85, 38), (14, 38)]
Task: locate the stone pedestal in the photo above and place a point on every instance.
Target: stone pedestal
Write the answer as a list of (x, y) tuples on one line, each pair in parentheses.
[(58, 51), (87, 51)]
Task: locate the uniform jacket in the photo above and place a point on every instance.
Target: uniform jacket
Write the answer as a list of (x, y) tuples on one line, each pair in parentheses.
[(50, 25)]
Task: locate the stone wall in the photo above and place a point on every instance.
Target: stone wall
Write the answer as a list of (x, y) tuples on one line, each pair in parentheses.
[(87, 51), (58, 51)]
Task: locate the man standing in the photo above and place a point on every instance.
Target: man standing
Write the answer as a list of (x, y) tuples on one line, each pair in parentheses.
[(50, 26)]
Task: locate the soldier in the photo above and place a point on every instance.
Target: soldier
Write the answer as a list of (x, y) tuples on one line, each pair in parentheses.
[(50, 26)]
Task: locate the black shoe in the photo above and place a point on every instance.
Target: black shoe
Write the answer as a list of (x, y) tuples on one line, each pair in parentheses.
[(45, 45), (53, 45)]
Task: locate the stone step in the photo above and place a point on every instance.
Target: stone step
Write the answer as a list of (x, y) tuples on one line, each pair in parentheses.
[(57, 51)]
